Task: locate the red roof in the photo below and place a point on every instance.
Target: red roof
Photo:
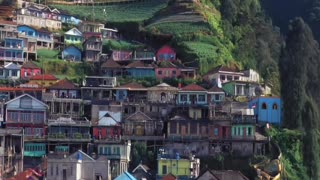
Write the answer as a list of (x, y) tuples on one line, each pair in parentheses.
[(110, 64), (215, 89), (30, 65), (63, 84), (193, 87), (47, 77), (169, 177)]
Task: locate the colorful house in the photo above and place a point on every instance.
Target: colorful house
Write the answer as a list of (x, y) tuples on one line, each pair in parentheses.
[(10, 71), (162, 93), (125, 176), (29, 69), (221, 175), (181, 168), (92, 49), (167, 69), (138, 69), (73, 36), (243, 124), (267, 109), (44, 80), (13, 50), (166, 53), (71, 53), (108, 33), (131, 92), (43, 37), (28, 113), (192, 95), (240, 88), (119, 56), (108, 127)]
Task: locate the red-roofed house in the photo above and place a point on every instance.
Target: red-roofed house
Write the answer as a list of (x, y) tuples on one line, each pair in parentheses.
[(63, 98), (44, 80), (215, 95), (111, 68), (131, 92), (138, 69), (167, 70), (166, 53), (195, 98), (29, 69)]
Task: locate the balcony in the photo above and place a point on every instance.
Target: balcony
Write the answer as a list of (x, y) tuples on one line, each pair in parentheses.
[(108, 140), (76, 137), (144, 138), (33, 137), (57, 120), (52, 97), (244, 120), (93, 48), (15, 59)]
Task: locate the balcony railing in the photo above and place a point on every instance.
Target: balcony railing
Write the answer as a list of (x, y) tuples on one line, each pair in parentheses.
[(108, 139), (69, 137), (12, 59), (54, 120), (52, 97)]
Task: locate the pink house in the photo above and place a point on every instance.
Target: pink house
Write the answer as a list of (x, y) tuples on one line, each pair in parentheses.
[(166, 53), (167, 70), (29, 69)]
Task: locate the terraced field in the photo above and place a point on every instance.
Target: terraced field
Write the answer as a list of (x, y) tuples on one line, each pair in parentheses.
[(130, 12)]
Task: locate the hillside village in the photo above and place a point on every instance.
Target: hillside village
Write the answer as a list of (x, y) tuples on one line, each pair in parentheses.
[(58, 128)]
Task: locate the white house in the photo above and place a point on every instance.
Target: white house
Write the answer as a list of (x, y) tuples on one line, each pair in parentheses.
[(77, 166)]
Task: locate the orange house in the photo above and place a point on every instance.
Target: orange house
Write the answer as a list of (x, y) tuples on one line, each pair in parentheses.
[(44, 80)]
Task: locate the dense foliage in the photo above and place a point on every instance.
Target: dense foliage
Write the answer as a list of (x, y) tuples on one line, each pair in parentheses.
[(300, 74)]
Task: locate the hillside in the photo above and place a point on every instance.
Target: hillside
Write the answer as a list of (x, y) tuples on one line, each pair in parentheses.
[(205, 33)]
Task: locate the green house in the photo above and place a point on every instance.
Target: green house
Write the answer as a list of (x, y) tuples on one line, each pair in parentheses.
[(243, 131), (73, 36)]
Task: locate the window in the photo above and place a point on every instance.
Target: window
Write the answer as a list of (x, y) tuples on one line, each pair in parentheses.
[(239, 131), (183, 97), (217, 97), (25, 116), (275, 106), (160, 72), (51, 170), (222, 77), (26, 102), (101, 150), (174, 72), (216, 131), (202, 98), (229, 78), (249, 131), (236, 77), (164, 169), (264, 106), (57, 170), (1, 72)]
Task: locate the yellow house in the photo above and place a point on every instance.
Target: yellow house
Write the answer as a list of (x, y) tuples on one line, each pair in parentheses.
[(181, 168), (44, 80)]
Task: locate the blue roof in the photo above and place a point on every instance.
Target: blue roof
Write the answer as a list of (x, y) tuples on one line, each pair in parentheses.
[(125, 176)]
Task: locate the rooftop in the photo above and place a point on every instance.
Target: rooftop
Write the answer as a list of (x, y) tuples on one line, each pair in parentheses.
[(46, 77), (193, 87), (63, 84)]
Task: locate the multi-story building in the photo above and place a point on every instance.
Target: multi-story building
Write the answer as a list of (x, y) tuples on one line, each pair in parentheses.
[(43, 38), (13, 50), (92, 49), (39, 16), (86, 26), (11, 152), (8, 29)]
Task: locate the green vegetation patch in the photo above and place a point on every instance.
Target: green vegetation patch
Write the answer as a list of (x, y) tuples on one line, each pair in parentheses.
[(47, 53), (109, 45), (179, 28), (138, 11)]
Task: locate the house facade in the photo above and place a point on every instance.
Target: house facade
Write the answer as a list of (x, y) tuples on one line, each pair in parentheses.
[(28, 113), (166, 53), (192, 95), (162, 93), (13, 50), (167, 69), (73, 36), (7, 29), (43, 37), (78, 165), (43, 80), (86, 26), (223, 74), (10, 71), (138, 69), (92, 49), (72, 53), (29, 69), (39, 17), (267, 109)]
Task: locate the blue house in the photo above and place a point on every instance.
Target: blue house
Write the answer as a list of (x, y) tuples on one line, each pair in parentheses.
[(192, 95), (44, 38), (267, 109), (125, 176), (71, 53), (13, 50), (138, 69)]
